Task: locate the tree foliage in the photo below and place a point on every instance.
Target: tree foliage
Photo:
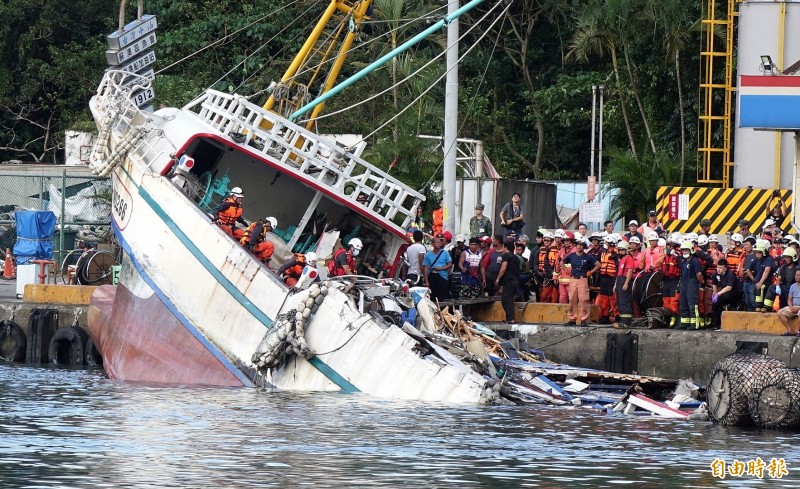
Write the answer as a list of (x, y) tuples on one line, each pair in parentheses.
[(526, 88)]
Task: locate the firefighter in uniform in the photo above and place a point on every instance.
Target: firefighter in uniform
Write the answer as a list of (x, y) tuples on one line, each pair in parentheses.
[(624, 285), (254, 238), (672, 274), (606, 280), (546, 262), (691, 278), (735, 254), (564, 271), (228, 212), (292, 270)]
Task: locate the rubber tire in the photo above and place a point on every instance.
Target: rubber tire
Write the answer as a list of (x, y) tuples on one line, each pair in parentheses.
[(68, 346), (93, 357), (13, 342)]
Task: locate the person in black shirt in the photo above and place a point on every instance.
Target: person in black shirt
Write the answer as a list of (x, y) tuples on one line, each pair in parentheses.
[(726, 292), (508, 278)]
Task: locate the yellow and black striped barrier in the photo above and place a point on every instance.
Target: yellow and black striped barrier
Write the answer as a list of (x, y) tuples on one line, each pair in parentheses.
[(680, 209)]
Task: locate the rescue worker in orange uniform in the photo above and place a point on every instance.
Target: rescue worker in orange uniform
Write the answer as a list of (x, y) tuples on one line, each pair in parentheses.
[(344, 262), (292, 270), (607, 280), (652, 257), (438, 219), (546, 262), (564, 270), (735, 254), (228, 212), (672, 275), (254, 238)]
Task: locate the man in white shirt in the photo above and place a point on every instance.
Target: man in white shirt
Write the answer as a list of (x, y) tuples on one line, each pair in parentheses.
[(414, 255), (526, 252)]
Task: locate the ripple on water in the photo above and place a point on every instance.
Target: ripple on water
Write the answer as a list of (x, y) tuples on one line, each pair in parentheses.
[(75, 428)]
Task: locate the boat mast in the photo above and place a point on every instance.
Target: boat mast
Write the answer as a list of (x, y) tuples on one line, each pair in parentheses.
[(356, 14), (385, 58), (450, 120)]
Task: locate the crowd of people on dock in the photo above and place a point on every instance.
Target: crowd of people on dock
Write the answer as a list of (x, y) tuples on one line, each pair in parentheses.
[(699, 277)]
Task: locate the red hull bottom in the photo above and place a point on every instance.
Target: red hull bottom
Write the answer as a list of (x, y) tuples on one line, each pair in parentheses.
[(142, 340)]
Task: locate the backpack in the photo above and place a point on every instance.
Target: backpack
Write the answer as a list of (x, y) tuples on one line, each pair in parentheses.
[(332, 264)]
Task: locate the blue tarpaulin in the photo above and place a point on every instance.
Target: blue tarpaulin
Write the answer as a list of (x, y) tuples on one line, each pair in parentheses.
[(34, 235)]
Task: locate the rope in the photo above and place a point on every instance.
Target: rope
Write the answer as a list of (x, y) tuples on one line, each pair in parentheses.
[(296, 19), (348, 339), (225, 37), (583, 332), (404, 80), (472, 101)]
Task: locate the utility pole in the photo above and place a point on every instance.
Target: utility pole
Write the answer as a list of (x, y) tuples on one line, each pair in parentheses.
[(451, 121)]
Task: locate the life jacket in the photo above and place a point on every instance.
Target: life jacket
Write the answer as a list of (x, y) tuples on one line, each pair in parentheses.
[(608, 263), (671, 267), (247, 232), (565, 270), (296, 270), (229, 216), (733, 257), (335, 270), (650, 257), (543, 259), (776, 252)]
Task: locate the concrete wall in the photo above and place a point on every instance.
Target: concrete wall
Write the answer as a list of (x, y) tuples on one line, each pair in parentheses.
[(755, 151), (662, 353)]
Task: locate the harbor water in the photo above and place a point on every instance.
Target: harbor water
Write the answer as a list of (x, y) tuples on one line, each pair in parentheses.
[(76, 428)]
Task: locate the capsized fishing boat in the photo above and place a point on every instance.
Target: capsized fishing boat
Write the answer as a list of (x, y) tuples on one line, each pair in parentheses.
[(193, 306)]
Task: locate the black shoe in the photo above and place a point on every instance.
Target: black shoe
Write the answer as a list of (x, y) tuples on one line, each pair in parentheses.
[(570, 323), (583, 323), (682, 326), (604, 320)]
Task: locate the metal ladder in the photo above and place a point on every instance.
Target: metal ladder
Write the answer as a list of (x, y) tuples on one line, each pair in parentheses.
[(301, 152)]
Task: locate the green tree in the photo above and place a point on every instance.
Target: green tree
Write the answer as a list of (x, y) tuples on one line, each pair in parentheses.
[(637, 181)]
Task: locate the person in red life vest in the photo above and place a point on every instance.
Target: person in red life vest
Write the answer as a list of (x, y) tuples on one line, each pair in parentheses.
[(546, 257), (671, 269), (254, 238), (563, 269), (581, 265), (624, 284), (229, 212), (344, 262), (652, 257), (292, 270), (635, 252), (438, 219), (607, 278)]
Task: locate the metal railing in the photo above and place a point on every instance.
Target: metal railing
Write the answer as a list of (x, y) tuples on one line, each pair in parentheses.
[(301, 151)]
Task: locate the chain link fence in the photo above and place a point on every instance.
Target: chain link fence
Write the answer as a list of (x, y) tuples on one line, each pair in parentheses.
[(82, 205)]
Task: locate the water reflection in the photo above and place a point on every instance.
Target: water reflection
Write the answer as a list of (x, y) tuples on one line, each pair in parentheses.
[(67, 428)]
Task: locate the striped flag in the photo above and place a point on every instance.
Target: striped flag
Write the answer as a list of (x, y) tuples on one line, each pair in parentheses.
[(769, 101)]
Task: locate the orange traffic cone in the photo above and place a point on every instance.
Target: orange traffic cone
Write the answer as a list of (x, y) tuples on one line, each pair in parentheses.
[(8, 266)]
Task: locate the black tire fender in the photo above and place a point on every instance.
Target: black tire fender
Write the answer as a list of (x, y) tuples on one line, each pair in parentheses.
[(13, 342), (93, 356), (68, 346)]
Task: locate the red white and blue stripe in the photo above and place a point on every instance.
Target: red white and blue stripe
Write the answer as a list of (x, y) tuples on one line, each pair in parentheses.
[(769, 101)]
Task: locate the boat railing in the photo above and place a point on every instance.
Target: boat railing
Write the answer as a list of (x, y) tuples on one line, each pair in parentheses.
[(303, 152)]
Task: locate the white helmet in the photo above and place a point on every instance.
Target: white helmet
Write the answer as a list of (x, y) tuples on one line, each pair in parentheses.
[(595, 235), (691, 237), (356, 244), (713, 239), (547, 236), (702, 240), (737, 237), (635, 240), (311, 257), (652, 235), (559, 233), (237, 192), (662, 242), (272, 221), (578, 236), (610, 239)]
